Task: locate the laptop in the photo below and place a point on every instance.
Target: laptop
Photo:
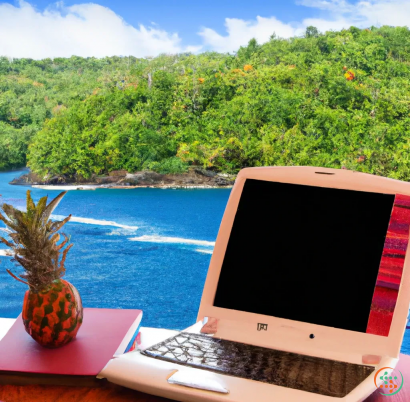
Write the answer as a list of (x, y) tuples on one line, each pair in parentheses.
[(306, 297)]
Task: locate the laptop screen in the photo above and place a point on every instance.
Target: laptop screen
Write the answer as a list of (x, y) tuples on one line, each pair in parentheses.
[(309, 254)]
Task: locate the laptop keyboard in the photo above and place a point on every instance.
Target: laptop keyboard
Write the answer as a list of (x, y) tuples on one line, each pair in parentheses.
[(290, 370)]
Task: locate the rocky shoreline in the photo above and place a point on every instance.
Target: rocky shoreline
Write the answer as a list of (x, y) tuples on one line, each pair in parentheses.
[(121, 179)]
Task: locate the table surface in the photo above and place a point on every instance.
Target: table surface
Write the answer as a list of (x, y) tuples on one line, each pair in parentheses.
[(114, 393)]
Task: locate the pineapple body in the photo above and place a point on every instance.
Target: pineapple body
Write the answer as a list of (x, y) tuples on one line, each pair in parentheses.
[(53, 316)]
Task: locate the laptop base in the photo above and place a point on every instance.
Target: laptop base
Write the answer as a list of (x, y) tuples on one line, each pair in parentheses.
[(290, 370)]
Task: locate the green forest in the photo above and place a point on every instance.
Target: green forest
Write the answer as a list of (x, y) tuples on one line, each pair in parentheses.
[(334, 99)]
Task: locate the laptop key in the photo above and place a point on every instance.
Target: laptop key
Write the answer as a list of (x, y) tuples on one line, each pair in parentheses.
[(290, 370)]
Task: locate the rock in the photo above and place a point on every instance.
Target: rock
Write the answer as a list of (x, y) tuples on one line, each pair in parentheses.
[(105, 179), (204, 172), (27, 178), (144, 178), (226, 176), (194, 178), (118, 173), (60, 179), (221, 181)]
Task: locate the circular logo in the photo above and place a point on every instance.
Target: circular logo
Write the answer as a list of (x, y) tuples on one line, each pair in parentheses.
[(389, 383)]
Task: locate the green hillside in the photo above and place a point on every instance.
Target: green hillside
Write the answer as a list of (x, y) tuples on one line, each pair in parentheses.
[(340, 99)]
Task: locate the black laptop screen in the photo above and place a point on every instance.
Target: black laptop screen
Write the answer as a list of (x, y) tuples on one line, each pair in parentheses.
[(305, 253)]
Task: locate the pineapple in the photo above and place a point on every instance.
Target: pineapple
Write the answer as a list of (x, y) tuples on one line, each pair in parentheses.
[(52, 308)]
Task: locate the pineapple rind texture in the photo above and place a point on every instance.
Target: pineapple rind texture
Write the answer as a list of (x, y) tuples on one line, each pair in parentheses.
[(53, 317)]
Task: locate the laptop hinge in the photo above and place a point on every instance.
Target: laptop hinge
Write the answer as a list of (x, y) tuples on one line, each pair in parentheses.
[(210, 325)]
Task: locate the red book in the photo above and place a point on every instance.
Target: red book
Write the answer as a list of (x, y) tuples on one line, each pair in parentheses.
[(104, 333)]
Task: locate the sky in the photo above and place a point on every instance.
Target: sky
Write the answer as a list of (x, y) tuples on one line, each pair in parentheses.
[(142, 28)]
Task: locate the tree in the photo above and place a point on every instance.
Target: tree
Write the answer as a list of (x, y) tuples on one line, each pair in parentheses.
[(334, 99), (311, 32)]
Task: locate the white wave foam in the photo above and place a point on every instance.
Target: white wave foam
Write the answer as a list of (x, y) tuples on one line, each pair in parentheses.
[(204, 251), (98, 222), (173, 240), (5, 253), (89, 221)]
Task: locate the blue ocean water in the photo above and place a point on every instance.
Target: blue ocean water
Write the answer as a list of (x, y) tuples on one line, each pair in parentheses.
[(139, 248), (143, 248)]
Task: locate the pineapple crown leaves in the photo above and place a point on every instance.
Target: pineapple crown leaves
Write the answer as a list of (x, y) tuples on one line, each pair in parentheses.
[(34, 241)]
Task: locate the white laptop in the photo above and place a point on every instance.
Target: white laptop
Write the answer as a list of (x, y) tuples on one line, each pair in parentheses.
[(306, 297)]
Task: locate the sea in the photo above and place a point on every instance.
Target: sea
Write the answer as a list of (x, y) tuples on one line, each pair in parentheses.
[(142, 248)]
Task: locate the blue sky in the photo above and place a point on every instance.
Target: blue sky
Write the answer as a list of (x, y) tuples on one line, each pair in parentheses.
[(187, 16), (42, 28)]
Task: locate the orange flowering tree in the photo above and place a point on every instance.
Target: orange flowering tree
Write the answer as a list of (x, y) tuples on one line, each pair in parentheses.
[(350, 75)]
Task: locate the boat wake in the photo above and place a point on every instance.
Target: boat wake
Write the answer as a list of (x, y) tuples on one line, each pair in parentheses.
[(204, 251), (171, 240), (98, 222)]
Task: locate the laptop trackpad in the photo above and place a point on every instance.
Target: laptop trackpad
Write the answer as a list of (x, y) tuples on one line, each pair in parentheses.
[(187, 378)]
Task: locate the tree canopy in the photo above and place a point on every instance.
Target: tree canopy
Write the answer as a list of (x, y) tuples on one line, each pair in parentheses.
[(339, 99)]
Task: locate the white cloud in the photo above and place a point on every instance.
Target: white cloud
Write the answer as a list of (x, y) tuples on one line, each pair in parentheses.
[(81, 30), (336, 15), (240, 32), (364, 13), (89, 29)]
